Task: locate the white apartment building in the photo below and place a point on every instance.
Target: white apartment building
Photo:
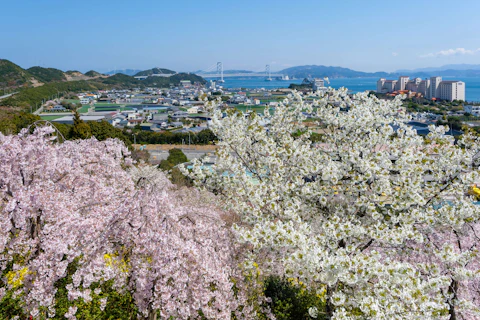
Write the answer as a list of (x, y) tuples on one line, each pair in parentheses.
[(402, 83), (386, 86), (473, 110), (412, 85), (434, 84), (424, 88), (318, 84), (451, 90), (380, 84)]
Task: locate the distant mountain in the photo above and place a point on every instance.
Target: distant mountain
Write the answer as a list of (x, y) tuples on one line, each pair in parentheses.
[(46, 75), (149, 72), (128, 72), (457, 73), (319, 71), (314, 71), (458, 67), (12, 75)]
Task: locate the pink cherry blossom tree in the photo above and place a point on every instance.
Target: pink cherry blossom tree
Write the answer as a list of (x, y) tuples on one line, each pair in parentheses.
[(82, 201)]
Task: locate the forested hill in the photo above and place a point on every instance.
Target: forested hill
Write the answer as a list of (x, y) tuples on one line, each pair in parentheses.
[(149, 72), (122, 80), (46, 75), (12, 75)]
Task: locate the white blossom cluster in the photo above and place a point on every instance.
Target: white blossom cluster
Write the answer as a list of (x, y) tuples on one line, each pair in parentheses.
[(380, 216)]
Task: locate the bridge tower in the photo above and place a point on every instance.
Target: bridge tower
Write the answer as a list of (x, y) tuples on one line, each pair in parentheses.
[(220, 71), (267, 73)]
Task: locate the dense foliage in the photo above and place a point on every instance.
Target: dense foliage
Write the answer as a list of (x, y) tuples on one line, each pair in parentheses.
[(12, 122), (292, 300), (201, 138), (377, 216), (175, 157)]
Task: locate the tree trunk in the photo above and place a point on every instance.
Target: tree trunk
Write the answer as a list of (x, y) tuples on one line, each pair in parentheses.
[(451, 302), (329, 308)]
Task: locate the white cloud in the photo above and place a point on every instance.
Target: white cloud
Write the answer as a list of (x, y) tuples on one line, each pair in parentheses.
[(450, 52), (394, 54)]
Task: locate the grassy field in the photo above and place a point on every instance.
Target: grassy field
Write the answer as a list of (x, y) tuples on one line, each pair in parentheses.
[(106, 109), (84, 109), (102, 104), (97, 107)]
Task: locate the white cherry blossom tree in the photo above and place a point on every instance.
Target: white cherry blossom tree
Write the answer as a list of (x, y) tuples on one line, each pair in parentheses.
[(376, 216)]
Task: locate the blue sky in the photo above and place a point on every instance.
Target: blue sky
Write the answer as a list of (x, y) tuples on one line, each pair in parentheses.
[(366, 35)]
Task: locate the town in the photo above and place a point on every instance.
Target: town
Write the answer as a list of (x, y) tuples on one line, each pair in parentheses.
[(181, 109)]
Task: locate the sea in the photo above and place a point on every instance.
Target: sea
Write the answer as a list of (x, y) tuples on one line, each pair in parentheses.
[(472, 85)]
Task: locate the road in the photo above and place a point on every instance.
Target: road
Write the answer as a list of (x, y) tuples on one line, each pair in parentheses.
[(157, 155), (7, 95)]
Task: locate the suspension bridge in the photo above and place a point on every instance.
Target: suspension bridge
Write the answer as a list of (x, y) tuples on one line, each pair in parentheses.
[(217, 72)]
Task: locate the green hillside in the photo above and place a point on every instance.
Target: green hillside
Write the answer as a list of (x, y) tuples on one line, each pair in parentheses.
[(149, 72), (32, 96), (93, 73), (72, 72), (47, 74), (119, 79), (12, 75)]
